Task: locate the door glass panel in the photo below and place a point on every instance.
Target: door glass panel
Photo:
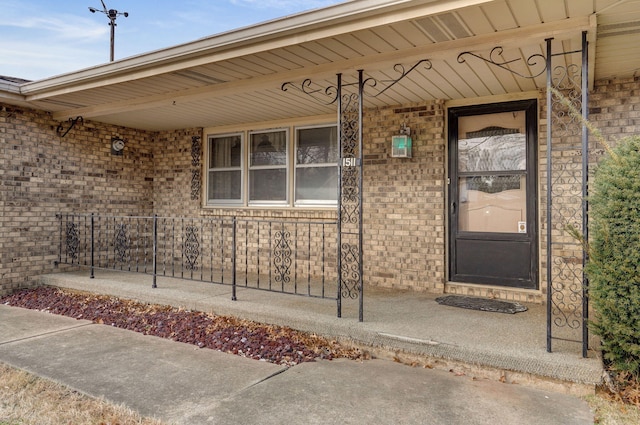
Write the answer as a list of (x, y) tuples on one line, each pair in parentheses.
[(491, 200), (492, 142), (492, 203)]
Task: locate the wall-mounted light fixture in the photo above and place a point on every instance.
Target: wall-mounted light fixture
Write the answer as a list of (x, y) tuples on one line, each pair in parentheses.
[(117, 145), (401, 143)]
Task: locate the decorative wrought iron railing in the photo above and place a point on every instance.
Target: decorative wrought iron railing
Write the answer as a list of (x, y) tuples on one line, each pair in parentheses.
[(292, 257)]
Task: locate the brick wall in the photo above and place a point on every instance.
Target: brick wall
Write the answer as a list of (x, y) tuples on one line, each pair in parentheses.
[(404, 220), (404, 199), (614, 107), (42, 174), (174, 171)]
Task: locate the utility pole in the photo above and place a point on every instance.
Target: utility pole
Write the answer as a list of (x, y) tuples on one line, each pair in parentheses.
[(112, 14)]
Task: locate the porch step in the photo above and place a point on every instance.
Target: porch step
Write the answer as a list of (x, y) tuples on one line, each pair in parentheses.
[(495, 292), (406, 327)]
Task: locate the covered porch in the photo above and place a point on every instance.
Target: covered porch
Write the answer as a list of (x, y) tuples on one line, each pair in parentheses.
[(405, 326), (412, 61)]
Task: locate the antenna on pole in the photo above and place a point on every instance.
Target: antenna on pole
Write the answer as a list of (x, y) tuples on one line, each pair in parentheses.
[(112, 14)]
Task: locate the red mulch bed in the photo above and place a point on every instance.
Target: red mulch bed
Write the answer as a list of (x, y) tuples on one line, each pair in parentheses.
[(275, 344)]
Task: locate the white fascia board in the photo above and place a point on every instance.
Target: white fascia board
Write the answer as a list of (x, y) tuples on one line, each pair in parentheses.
[(290, 30), (10, 93)]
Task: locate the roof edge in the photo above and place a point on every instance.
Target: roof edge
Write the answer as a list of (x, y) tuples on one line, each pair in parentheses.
[(255, 34)]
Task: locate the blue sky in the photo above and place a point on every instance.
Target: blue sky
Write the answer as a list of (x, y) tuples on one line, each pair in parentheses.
[(44, 38)]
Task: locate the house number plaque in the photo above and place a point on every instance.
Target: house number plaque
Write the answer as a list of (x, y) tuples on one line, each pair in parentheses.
[(350, 162)]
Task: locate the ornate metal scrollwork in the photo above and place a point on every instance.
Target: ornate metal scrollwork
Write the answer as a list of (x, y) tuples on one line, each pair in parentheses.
[(495, 58), (282, 256), (566, 80), (195, 184), (195, 172), (399, 68), (195, 151), (72, 240), (72, 123), (191, 248), (350, 270), (566, 294), (350, 181), (329, 95), (121, 243)]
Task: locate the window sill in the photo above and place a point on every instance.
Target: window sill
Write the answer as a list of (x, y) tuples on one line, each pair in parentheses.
[(280, 212)]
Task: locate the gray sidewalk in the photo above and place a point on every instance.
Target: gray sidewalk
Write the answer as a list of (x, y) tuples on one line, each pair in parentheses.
[(406, 325), (181, 384)]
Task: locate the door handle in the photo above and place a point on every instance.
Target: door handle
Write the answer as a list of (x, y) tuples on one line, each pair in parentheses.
[(453, 208)]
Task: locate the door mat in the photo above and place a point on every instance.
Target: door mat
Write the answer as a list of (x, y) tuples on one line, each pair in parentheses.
[(482, 304)]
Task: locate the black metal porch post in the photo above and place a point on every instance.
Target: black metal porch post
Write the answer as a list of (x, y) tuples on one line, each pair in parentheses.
[(92, 244), (549, 197), (585, 191), (339, 221), (567, 114), (155, 251)]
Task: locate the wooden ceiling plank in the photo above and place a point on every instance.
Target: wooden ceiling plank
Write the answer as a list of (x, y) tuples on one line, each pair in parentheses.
[(525, 12), (460, 86), (325, 51), (377, 42), (552, 10), (249, 67), (579, 8), (500, 16), (468, 73), (476, 21), (412, 33), (397, 94), (357, 45), (340, 48), (220, 72), (393, 37), (276, 62), (305, 56)]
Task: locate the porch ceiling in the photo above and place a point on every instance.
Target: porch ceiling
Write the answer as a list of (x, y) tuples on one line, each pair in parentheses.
[(236, 78)]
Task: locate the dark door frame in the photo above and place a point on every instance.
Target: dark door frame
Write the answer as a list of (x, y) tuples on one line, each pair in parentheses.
[(530, 106)]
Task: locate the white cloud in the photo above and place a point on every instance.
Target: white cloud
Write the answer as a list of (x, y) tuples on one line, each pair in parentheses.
[(284, 4), (60, 27), (42, 38), (31, 61)]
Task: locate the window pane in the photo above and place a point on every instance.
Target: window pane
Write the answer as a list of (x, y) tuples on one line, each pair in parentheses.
[(225, 185), (492, 203), (269, 148), (317, 145), (268, 185), (317, 183), (225, 152), (492, 142)]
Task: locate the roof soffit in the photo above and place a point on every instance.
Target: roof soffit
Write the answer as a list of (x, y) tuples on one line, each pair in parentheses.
[(436, 51), (340, 19)]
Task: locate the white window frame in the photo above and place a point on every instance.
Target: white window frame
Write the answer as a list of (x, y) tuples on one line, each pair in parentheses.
[(210, 170), (251, 168), (313, 202), (290, 167)]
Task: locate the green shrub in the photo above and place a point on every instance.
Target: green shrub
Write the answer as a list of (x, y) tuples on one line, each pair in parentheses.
[(614, 255)]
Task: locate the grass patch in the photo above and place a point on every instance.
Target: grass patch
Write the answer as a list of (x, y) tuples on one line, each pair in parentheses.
[(612, 412), (28, 400)]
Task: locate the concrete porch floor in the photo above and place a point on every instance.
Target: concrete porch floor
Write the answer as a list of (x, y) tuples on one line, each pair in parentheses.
[(403, 326)]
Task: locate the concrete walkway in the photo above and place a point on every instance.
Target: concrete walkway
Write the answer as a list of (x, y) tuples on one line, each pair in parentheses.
[(180, 384), (404, 325)]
